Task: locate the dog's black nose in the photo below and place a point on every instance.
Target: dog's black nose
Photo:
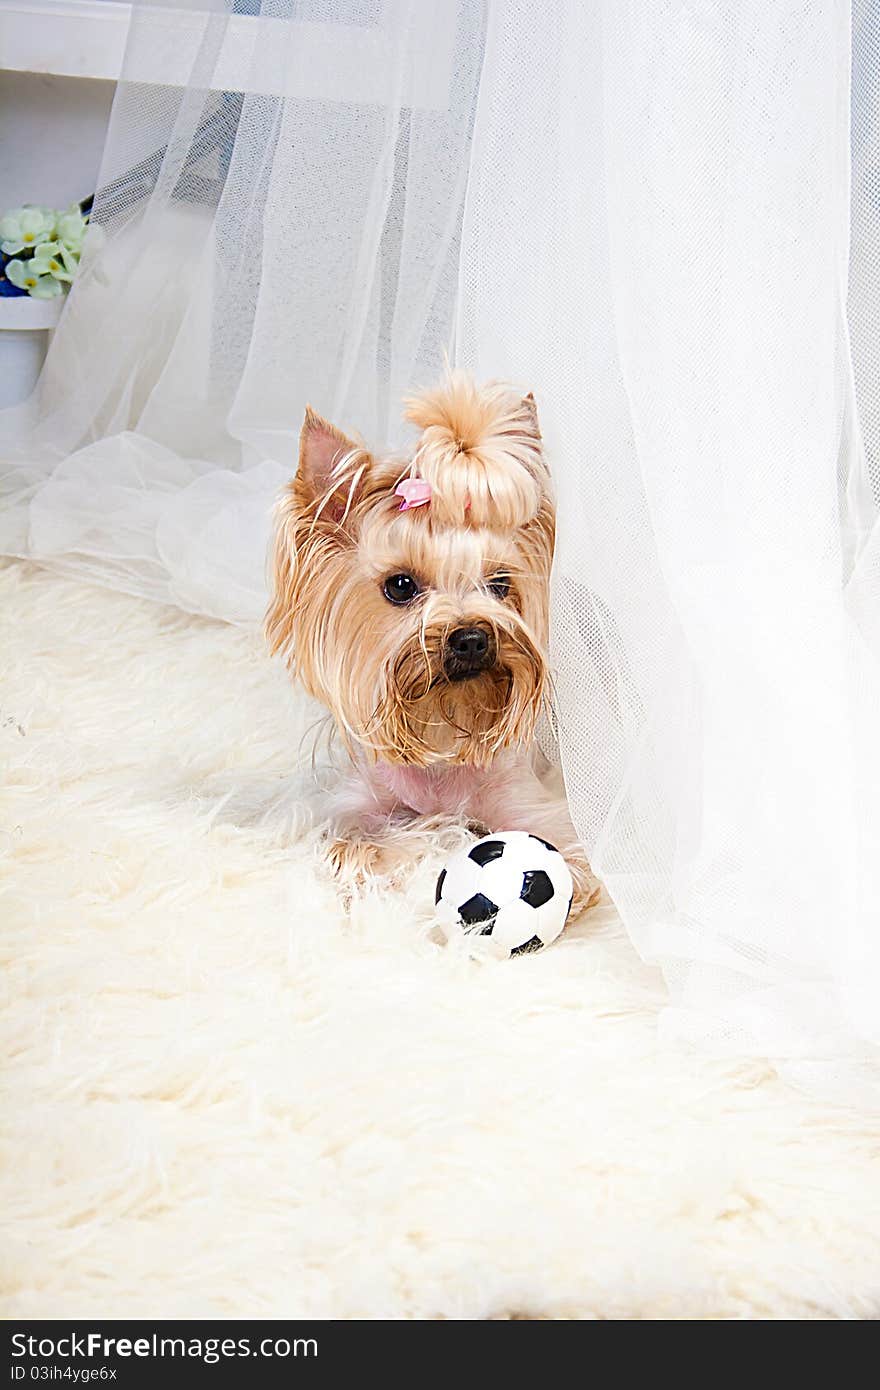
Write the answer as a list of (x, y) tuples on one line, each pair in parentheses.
[(469, 644), (469, 650)]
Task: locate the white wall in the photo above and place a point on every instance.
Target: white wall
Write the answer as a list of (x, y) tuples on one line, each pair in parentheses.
[(51, 136)]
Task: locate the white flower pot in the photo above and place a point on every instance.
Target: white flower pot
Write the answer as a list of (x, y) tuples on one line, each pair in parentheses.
[(26, 326)]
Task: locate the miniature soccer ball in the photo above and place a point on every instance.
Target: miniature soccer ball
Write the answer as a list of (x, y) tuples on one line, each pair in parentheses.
[(511, 886)]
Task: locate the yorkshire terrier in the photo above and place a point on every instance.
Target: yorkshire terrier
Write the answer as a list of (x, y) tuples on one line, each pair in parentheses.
[(410, 596)]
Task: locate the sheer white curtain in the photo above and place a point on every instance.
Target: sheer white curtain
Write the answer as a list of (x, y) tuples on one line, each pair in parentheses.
[(678, 303), (664, 220), (281, 197)]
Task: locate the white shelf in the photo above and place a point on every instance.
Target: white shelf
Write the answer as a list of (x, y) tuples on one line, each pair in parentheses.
[(67, 38), (234, 53), (25, 314)]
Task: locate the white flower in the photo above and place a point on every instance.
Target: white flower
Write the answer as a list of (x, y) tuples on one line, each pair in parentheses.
[(52, 258), (71, 228), (25, 276), (22, 229)]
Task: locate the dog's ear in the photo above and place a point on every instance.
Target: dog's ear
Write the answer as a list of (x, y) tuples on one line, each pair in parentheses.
[(331, 467), (311, 520)]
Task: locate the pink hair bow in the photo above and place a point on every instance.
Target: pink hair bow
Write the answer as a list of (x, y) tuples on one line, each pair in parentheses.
[(415, 493)]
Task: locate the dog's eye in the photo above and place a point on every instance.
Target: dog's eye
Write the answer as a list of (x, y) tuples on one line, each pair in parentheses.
[(499, 585), (400, 588)]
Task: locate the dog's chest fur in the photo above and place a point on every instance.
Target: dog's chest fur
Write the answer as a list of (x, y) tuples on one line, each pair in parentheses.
[(431, 791)]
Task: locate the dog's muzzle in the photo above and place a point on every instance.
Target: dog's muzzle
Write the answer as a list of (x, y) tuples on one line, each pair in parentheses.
[(468, 652)]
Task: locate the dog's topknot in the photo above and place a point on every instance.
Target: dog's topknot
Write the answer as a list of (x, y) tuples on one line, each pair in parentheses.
[(480, 450)]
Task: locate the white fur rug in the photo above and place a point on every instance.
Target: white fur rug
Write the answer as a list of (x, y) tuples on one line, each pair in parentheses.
[(224, 1096)]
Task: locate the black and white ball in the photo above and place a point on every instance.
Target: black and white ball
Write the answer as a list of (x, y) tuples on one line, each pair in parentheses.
[(511, 886)]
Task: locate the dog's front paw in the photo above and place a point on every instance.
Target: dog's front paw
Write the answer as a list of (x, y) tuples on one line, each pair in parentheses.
[(586, 886), (355, 861), (477, 827)]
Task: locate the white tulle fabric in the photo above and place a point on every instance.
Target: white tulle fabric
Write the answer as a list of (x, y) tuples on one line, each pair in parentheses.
[(293, 239), (665, 220)]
